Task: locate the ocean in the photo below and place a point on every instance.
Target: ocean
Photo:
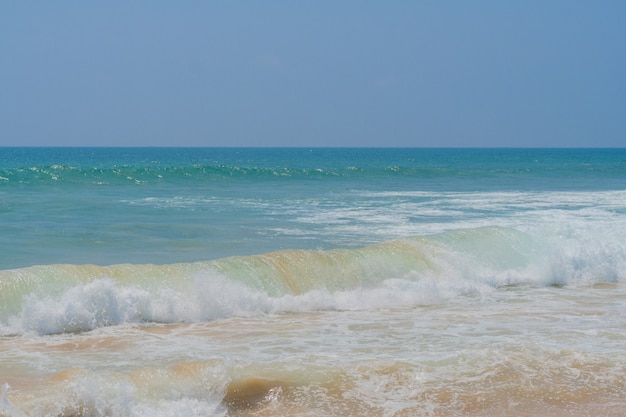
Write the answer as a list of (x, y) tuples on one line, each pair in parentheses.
[(312, 282)]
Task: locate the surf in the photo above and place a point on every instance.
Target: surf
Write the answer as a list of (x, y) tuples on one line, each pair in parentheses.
[(427, 270)]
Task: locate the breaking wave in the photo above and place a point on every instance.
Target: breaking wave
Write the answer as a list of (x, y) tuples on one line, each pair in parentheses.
[(51, 299)]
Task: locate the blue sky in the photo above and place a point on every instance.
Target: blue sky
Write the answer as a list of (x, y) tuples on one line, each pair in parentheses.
[(313, 73)]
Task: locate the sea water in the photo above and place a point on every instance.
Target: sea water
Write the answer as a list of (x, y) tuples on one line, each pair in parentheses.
[(312, 282)]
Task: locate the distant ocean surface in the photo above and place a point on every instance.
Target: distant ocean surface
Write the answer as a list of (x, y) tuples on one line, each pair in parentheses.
[(312, 282)]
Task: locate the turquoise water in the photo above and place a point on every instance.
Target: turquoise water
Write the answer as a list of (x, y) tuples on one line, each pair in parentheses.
[(107, 206), (298, 282)]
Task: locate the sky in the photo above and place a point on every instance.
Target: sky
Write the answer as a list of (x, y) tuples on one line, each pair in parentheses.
[(405, 73)]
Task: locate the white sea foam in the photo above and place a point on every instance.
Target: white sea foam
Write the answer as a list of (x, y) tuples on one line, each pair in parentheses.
[(374, 216), (143, 393)]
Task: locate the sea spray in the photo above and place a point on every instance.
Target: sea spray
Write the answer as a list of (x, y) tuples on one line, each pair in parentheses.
[(419, 271)]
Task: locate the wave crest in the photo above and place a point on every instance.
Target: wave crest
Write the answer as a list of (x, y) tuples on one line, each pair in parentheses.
[(400, 273)]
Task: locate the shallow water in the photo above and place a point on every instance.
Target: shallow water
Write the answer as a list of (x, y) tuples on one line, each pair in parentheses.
[(516, 351)]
